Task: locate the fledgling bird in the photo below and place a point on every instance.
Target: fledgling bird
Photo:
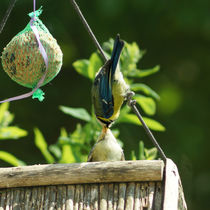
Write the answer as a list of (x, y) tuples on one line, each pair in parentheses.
[(106, 148), (109, 88)]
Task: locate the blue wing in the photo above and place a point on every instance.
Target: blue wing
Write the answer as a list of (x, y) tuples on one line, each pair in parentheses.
[(104, 80)]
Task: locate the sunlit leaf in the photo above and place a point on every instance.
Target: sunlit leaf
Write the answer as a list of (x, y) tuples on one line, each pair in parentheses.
[(3, 108), (12, 132), (55, 150), (67, 152), (151, 154), (131, 54), (94, 65), (132, 118), (81, 66), (133, 155), (42, 145), (11, 159), (147, 104), (78, 113), (153, 124), (145, 89), (143, 73), (141, 150), (88, 68)]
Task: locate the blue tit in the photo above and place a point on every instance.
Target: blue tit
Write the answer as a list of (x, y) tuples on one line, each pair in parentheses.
[(106, 148), (109, 88)]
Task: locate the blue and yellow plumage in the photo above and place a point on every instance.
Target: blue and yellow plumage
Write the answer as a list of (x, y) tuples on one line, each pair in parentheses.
[(109, 88)]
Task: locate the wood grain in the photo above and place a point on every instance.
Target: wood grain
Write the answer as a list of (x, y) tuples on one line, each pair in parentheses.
[(77, 173), (109, 196)]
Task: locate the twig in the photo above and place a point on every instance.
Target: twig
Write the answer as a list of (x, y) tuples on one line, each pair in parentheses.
[(6, 16), (76, 7), (131, 102)]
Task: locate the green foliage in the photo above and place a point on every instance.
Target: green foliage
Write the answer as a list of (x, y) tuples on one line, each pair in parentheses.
[(144, 153), (11, 159), (75, 146), (70, 147), (8, 132), (42, 145)]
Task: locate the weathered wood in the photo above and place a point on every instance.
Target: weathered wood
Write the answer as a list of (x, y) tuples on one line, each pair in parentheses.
[(173, 191), (103, 196), (77, 173), (130, 196), (121, 200), (158, 196), (120, 196)]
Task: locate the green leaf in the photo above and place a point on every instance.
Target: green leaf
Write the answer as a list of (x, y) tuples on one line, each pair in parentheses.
[(88, 68), (78, 113), (67, 152), (12, 132), (151, 153), (81, 66), (145, 89), (94, 65), (133, 155), (143, 73), (153, 124), (147, 104), (141, 150), (3, 108), (55, 150), (11, 159), (67, 155), (42, 145), (131, 54), (132, 118)]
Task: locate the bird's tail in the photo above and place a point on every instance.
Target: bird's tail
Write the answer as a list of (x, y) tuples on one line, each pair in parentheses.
[(118, 46)]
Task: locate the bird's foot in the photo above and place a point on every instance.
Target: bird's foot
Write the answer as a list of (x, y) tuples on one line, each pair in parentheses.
[(129, 98)]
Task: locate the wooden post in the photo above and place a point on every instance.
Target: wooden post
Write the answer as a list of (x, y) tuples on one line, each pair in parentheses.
[(173, 191)]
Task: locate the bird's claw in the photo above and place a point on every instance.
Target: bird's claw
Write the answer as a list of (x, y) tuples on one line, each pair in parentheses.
[(129, 99)]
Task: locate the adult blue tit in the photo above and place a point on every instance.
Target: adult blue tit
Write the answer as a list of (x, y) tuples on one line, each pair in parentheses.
[(109, 88), (106, 148)]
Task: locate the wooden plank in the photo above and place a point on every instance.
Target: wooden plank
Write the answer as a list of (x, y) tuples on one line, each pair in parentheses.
[(103, 196), (137, 197), (94, 196), (130, 192), (95, 172), (171, 188), (122, 193), (110, 197), (70, 197), (158, 197)]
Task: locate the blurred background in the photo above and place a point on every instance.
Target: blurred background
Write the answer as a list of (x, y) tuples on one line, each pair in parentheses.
[(175, 35)]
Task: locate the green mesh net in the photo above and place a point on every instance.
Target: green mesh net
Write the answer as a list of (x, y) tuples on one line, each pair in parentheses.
[(22, 60)]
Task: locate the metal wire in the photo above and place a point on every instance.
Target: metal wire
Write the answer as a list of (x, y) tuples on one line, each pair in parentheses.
[(7, 14), (82, 18), (132, 104)]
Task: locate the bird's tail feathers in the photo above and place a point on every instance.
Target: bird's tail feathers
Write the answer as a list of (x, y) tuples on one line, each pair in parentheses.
[(118, 46)]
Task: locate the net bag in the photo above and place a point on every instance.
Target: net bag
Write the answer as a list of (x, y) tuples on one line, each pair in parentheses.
[(22, 60)]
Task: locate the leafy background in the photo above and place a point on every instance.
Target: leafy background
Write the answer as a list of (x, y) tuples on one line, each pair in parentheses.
[(174, 34)]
